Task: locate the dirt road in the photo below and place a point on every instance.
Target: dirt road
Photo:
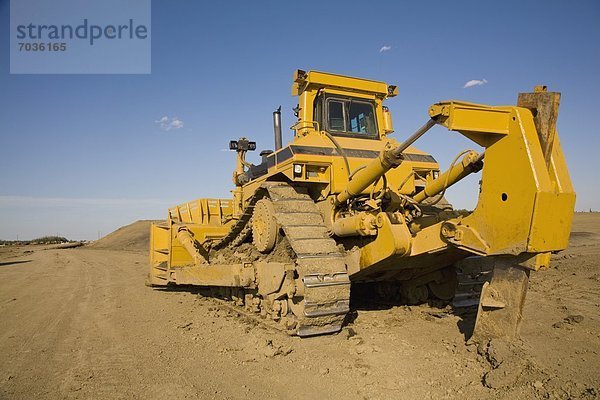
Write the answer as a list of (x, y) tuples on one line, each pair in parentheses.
[(80, 324)]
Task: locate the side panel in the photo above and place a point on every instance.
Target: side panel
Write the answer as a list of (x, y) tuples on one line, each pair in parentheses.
[(159, 243), (204, 219), (178, 255), (551, 233)]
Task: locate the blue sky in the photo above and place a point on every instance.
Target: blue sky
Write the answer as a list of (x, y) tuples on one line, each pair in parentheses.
[(81, 155)]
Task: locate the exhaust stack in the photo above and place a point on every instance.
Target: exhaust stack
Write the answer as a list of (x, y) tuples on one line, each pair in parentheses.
[(277, 127)]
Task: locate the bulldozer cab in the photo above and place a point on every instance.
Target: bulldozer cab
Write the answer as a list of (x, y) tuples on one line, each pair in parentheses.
[(341, 106)]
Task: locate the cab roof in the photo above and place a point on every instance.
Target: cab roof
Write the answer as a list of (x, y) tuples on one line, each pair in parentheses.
[(314, 80)]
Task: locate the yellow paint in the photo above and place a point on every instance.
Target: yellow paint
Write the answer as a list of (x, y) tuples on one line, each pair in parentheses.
[(525, 204)]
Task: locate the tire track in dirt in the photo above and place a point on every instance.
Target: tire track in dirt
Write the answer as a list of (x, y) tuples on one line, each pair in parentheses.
[(42, 316)]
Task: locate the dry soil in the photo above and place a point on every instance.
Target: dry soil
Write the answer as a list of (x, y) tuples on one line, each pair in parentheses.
[(80, 324)]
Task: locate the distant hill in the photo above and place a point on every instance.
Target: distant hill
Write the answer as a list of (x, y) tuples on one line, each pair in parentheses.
[(135, 236)]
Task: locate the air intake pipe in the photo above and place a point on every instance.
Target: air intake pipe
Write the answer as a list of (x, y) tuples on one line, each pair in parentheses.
[(277, 127)]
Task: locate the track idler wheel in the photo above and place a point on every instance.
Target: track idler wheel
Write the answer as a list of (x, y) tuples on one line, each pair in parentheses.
[(264, 226), (444, 288)]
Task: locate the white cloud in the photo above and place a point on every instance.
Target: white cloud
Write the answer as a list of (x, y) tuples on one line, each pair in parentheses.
[(176, 123), (385, 48), (167, 123), (475, 82)]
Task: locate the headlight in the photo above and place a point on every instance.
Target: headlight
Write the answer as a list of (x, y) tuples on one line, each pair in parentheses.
[(297, 169)]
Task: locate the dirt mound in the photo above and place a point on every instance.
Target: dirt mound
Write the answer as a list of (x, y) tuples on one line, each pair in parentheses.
[(135, 236)]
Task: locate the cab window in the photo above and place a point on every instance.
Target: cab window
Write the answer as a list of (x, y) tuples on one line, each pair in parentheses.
[(361, 119), (336, 116), (350, 117)]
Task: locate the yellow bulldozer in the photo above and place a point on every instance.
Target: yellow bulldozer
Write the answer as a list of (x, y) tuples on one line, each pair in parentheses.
[(345, 205)]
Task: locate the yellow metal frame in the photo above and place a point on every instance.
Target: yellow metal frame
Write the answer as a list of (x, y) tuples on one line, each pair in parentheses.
[(524, 205), (203, 219)]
